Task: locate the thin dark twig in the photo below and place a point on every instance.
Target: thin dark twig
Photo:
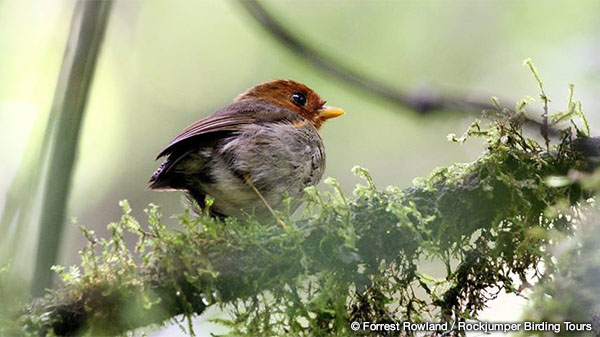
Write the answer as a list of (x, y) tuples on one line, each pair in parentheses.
[(421, 103)]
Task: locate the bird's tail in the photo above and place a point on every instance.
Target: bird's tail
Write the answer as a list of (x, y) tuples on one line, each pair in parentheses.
[(160, 180)]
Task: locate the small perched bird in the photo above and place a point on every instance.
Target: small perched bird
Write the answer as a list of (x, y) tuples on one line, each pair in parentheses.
[(250, 154)]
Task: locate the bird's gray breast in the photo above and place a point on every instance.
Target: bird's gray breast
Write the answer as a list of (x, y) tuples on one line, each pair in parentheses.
[(281, 159)]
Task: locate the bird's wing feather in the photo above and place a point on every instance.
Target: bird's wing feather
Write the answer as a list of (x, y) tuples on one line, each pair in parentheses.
[(177, 151), (208, 125), (231, 118)]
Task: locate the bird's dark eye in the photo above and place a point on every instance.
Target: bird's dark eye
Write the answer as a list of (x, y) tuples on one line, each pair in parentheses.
[(299, 98)]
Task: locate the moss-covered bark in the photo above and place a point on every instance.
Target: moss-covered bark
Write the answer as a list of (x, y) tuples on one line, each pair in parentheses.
[(345, 258)]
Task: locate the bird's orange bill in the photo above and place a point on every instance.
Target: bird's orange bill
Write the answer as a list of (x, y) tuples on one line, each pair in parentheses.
[(328, 112)]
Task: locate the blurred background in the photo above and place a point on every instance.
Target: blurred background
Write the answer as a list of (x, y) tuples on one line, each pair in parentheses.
[(165, 64)]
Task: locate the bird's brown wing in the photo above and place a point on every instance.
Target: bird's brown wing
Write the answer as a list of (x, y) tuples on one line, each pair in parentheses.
[(232, 118), (214, 123), (178, 149)]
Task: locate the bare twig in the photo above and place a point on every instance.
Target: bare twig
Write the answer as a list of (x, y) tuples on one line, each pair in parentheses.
[(420, 103)]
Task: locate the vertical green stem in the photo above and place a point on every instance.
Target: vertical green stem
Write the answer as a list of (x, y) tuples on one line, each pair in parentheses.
[(76, 73)]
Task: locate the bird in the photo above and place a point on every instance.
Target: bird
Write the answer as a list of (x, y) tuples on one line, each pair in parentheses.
[(251, 154)]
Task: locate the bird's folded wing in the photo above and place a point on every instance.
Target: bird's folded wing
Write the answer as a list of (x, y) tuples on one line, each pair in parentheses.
[(209, 125), (231, 118)]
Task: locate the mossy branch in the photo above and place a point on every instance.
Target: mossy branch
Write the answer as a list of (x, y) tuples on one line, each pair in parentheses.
[(346, 258)]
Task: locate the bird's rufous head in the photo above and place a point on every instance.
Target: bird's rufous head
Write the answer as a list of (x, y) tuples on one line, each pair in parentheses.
[(296, 97)]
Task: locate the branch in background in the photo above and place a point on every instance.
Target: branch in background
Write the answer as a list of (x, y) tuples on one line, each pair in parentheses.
[(422, 103), (480, 214), (75, 77), (419, 103)]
